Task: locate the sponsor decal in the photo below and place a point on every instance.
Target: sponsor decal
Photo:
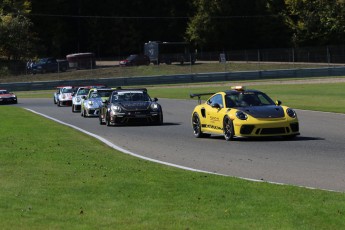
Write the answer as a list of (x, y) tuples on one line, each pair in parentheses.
[(214, 127), (214, 119)]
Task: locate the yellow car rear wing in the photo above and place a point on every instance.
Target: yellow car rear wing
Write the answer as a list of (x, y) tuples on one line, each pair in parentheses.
[(199, 95)]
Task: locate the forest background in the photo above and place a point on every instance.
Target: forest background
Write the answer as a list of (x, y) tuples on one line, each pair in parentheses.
[(35, 28)]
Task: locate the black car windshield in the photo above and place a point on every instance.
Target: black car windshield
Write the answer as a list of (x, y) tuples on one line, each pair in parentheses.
[(132, 57), (67, 90), (3, 92), (100, 93), (243, 99), (130, 96), (103, 93), (83, 91)]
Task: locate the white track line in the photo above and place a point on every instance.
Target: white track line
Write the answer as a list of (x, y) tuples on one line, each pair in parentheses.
[(112, 145)]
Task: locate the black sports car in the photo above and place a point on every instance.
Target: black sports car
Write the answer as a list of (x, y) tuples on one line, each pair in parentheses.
[(130, 106)]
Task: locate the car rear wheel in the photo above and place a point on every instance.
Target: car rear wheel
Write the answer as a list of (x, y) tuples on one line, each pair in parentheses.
[(196, 123), (228, 128)]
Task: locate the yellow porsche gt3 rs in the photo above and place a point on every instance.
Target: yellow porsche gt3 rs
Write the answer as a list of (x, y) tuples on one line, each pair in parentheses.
[(243, 113)]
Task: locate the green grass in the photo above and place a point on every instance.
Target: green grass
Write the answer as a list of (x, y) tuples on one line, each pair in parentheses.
[(319, 97), (71, 181), (328, 97)]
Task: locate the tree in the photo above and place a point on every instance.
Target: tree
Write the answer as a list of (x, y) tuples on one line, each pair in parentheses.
[(315, 22), (16, 39), (107, 28), (224, 24)]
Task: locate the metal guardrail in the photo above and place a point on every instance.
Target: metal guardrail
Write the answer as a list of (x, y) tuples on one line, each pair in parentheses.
[(181, 78)]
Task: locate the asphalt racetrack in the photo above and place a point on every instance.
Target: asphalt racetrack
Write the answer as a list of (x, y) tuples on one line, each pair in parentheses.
[(314, 159)]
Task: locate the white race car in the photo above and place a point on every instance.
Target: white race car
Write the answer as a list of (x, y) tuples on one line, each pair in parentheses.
[(77, 98), (91, 103), (63, 96)]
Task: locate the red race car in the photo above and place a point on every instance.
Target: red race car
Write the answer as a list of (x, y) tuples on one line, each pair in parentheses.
[(7, 97)]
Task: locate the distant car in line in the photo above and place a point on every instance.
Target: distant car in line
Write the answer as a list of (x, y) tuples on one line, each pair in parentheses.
[(135, 60), (77, 98), (56, 94), (91, 103), (7, 97), (63, 95), (130, 106), (79, 93)]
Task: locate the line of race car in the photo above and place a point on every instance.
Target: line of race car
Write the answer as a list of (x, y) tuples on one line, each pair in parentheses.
[(113, 106), (237, 112)]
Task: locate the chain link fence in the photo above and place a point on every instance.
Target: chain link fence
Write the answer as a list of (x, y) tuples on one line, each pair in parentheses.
[(325, 55), (288, 58)]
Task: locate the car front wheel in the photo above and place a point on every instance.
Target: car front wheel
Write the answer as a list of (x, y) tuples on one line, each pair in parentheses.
[(107, 120), (228, 128)]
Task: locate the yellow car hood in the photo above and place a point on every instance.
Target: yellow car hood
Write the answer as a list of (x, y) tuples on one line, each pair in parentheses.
[(267, 111)]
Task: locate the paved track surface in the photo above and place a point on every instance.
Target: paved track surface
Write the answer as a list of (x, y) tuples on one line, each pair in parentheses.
[(315, 159)]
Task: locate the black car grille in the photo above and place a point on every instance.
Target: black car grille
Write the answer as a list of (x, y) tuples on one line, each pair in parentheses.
[(92, 111), (138, 111), (294, 127), (272, 131), (135, 120), (8, 100), (247, 129)]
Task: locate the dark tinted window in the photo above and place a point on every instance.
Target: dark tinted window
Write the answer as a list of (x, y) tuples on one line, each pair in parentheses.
[(216, 99), (243, 99)]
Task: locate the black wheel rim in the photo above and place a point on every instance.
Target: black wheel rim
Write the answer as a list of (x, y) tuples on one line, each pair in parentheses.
[(196, 124), (227, 129)]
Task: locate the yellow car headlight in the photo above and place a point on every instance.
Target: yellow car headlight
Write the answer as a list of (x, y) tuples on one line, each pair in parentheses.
[(241, 115), (291, 113)]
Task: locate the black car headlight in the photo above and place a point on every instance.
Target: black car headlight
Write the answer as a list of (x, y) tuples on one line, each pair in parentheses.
[(154, 106), (241, 115), (291, 113)]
